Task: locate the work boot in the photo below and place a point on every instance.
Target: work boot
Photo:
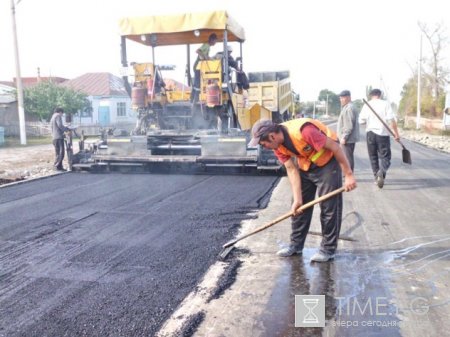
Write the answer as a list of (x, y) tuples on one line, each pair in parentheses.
[(380, 179), (322, 257), (289, 251)]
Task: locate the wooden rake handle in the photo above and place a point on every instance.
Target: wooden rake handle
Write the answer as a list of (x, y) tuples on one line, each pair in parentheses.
[(285, 216)]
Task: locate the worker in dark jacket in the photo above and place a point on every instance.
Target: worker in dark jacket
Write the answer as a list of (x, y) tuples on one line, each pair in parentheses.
[(58, 130), (320, 160)]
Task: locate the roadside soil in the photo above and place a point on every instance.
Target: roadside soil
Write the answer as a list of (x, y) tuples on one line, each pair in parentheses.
[(19, 163), (439, 142), (26, 162)]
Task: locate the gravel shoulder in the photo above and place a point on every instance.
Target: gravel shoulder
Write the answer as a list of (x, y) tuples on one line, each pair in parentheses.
[(29, 162), (438, 142)]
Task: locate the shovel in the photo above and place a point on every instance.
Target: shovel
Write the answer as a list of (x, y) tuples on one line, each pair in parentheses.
[(229, 245), (406, 155)]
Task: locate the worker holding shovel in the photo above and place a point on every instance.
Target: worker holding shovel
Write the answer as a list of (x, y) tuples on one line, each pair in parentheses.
[(376, 115), (320, 160)]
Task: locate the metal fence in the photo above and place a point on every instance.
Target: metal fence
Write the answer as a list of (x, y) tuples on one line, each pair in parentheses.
[(43, 129), (33, 129)]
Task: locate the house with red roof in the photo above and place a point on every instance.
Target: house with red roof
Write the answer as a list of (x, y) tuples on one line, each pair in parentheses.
[(9, 115), (28, 82), (110, 103)]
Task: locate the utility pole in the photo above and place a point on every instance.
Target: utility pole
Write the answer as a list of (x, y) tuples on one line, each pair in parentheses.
[(419, 75), (21, 111), (326, 108)]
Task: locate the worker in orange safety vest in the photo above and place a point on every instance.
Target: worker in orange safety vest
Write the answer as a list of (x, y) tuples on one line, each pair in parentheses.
[(319, 168)]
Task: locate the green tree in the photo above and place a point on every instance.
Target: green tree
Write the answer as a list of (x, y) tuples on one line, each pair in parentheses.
[(358, 104), (437, 73), (41, 99), (334, 104), (434, 76), (429, 107)]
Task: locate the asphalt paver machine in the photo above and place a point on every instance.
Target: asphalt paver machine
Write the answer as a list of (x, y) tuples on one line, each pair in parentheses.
[(176, 128)]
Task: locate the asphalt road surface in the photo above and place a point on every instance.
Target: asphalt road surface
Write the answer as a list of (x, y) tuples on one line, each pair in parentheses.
[(123, 255), (113, 254)]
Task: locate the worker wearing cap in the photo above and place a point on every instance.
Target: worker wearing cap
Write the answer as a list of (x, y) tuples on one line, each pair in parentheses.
[(320, 160), (347, 126)]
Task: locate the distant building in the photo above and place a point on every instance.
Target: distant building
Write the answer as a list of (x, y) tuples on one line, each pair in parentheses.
[(8, 101), (28, 82), (110, 103), (8, 104), (175, 85), (9, 116)]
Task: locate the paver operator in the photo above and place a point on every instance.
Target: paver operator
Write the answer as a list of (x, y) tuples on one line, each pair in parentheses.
[(202, 54), (319, 167)]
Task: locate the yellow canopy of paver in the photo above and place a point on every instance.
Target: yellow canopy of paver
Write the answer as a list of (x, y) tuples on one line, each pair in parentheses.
[(189, 28)]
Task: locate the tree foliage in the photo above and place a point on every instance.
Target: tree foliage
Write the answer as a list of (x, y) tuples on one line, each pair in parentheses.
[(433, 79), (43, 98), (334, 104), (437, 40), (429, 105), (358, 104)]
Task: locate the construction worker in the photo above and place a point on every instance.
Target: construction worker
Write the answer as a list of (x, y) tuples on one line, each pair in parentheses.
[(347, 126), (58, 130), (202, 54), (377, 137), (320, 160)]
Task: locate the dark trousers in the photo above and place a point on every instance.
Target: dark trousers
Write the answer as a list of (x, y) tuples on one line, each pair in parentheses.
[(195, 92), (349, 149), (323, 179), (59, 153), (379, 148)]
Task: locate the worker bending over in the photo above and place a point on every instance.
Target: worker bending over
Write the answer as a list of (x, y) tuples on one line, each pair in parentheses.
[(319, 167)]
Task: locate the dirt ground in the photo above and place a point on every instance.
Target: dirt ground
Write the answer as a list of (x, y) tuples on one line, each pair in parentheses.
[(28, 162), (18, 163)]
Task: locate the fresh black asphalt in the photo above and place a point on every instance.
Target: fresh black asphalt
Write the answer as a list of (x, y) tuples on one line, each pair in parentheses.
[(113, 254)]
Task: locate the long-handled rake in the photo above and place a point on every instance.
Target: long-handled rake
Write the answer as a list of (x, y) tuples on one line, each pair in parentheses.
[(229, 245)]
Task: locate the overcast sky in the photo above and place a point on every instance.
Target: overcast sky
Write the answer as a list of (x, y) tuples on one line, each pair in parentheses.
[(345, 44)]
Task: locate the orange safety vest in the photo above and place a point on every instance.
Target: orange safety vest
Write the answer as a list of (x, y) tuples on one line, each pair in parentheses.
[(307, 154)]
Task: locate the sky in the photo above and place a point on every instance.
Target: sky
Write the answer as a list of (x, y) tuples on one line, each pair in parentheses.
[(325, 44)]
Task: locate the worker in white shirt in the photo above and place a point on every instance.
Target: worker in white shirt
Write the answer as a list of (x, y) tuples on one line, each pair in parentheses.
[(378, 140)]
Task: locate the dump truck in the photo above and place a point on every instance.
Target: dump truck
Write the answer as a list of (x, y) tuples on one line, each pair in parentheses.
[(271, 90), (174, 131)]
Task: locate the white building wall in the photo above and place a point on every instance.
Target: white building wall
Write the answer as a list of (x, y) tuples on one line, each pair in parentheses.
[(97, 101)]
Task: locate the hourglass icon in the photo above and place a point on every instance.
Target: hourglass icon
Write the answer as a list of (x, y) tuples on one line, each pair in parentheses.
[(310, 304)]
